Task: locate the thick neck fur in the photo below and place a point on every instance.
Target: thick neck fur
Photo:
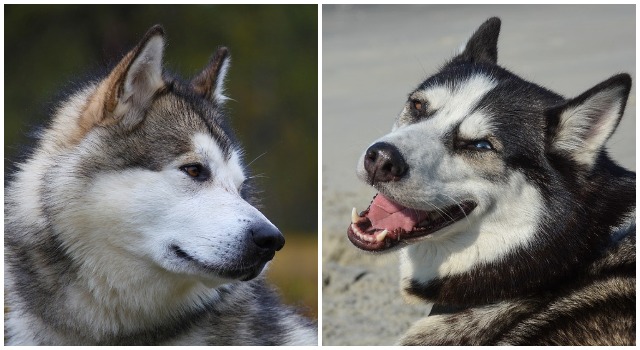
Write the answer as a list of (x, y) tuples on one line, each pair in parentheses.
[(581, 216)]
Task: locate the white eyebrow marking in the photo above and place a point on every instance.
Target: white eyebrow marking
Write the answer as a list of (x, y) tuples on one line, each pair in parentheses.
[(227, 172)]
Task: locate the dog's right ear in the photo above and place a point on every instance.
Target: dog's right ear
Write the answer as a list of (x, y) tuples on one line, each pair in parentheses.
[(483, 44), (130, 87)]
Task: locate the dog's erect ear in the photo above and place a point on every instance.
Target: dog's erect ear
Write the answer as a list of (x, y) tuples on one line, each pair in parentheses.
[(210, 82), (483, 44), (580, 127), (136, 79), (129, 89)]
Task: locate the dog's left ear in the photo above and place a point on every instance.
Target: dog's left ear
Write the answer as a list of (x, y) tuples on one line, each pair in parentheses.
[(210, 82), (123, 96), (483, 44), (580, 127), (132, 84)]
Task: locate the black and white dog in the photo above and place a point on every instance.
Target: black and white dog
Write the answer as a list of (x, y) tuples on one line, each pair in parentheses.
[(511, 217)]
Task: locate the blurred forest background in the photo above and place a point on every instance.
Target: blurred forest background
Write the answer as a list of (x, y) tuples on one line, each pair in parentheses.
[(273, 82)]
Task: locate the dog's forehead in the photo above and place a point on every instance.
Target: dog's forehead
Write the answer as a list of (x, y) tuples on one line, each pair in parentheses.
[(464, 93), (207, 137), (167, 134), (451, 102), (476, 98), (208, 148), (180, 116)]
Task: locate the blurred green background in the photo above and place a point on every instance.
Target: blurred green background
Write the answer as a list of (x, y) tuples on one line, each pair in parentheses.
[(273, 82)]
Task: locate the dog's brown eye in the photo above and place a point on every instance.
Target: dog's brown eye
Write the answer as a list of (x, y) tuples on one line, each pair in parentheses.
[(196, 171), (416, 104), (192, 170)]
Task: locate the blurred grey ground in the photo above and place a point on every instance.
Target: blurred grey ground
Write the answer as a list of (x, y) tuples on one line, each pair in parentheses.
[(372, 57)]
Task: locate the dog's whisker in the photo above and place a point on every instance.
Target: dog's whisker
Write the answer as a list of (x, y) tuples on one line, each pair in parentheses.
[(256, 158)]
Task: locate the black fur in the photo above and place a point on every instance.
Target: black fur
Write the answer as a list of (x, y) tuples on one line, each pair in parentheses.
[(584, 204), (582, 197)]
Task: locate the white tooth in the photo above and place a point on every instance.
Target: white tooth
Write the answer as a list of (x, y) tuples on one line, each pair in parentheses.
[(354, 216), (381, 235)]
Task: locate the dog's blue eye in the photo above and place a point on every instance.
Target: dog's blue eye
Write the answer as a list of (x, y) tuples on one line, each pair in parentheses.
[(481, 145)]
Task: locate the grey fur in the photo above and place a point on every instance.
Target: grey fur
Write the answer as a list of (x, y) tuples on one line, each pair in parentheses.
[(104, 132)]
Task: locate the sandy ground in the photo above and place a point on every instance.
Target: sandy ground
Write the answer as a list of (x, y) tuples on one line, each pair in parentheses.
[(372, 57)]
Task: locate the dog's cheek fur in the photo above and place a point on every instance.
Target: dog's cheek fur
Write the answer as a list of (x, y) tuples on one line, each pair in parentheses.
[(503, 222)]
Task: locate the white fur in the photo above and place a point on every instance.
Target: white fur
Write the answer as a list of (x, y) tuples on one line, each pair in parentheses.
[(476, 126), (297, 335), (453, 102), (120, 229), (28, 182), (507, 210), (231, 175), (502, 221), (220, 87), (452, 107)]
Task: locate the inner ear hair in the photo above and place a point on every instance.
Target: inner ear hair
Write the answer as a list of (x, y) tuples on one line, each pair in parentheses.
[(209, 83)]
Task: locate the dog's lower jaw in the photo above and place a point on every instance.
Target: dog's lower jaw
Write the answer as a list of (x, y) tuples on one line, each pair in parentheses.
[(216, 273)]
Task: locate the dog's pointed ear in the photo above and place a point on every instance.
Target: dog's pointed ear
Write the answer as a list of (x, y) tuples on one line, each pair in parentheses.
[(580, 127), (136, 79), (483, 44), (209, 83), (130, 87)]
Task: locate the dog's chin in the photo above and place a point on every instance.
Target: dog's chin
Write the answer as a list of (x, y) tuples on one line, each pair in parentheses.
[(247, 269), (387, 224)]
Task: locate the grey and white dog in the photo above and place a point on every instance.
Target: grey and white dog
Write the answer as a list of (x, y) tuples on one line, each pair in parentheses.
[(511, 217), (131, 222)]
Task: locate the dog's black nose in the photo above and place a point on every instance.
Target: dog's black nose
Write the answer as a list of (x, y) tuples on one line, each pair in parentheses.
[(383, 163), (267, 237)]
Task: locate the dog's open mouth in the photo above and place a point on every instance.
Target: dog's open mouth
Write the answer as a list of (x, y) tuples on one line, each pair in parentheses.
[(385, 224)]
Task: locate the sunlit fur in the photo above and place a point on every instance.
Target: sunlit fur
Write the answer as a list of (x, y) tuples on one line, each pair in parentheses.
[(547, 254)]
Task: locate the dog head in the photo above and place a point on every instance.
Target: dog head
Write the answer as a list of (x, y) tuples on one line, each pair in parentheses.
[(465, 174), (149, 172)]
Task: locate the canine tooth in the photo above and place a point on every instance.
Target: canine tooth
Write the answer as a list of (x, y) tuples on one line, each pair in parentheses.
[(354, 216), (381, 235)]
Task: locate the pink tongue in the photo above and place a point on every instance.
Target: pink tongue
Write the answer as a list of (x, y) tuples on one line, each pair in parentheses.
[(386, 214)]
